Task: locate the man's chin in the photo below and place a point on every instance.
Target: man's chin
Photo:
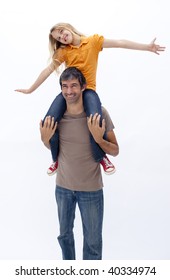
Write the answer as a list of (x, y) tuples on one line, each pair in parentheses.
[(71, 100)]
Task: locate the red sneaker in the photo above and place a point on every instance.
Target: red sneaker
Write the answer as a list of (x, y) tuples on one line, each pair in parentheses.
[(53, 168), (108, 167)]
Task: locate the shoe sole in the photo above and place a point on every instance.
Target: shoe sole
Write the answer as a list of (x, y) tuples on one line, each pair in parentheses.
[(110, 173), (51, 174)]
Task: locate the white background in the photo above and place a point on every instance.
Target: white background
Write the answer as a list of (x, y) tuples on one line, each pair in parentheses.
[(133, 86)]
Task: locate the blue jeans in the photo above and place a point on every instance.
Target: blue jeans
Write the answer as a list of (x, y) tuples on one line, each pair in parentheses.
[(57, 109), (91, 209)]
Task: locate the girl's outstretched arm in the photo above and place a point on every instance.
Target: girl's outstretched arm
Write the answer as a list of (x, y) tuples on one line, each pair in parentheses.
[(41, 78), (152, 47)]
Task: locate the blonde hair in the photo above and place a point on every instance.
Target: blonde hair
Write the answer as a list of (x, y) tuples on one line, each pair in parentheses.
[(53, 43)]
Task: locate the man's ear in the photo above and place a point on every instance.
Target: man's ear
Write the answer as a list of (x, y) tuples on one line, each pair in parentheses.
[(84, 87)]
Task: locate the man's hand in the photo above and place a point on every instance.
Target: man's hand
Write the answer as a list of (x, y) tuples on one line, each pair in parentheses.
[(97, 132), (47, 130)]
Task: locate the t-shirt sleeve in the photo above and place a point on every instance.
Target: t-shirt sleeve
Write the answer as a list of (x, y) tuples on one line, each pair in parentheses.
[(59, 56), (98, 41), (108, 121)]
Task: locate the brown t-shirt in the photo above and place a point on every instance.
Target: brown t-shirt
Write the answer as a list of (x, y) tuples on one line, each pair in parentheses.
[(77, 169)]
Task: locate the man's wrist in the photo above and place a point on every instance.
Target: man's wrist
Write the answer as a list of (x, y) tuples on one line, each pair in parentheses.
[(100, 141), (46, 143)]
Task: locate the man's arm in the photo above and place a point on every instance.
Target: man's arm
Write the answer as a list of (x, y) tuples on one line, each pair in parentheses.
[(109, 146), (47, 130)]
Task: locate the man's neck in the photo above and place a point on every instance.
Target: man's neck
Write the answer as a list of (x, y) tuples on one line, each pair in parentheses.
[(75, 109)]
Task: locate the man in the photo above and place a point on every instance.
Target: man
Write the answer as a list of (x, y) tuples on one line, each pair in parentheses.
[(79, 179)]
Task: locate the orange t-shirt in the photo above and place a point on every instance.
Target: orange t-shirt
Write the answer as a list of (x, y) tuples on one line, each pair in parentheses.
[(84, 57)]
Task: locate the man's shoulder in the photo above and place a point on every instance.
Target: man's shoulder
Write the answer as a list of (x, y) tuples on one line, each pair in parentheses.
[(104, 111), (107, 117)]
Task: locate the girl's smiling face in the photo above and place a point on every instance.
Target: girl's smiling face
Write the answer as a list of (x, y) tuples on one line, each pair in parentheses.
[(63, 36)]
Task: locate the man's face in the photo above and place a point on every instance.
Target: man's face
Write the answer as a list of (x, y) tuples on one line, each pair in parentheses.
[(72, 91)]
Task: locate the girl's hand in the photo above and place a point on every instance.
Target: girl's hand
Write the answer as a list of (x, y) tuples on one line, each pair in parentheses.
[(26, 91), (155, 48)]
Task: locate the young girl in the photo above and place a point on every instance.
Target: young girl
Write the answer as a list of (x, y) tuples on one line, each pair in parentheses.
[(69, 47)]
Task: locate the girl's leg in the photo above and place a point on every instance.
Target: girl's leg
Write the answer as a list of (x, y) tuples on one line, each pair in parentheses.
[(92, 105), (56, 110)]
